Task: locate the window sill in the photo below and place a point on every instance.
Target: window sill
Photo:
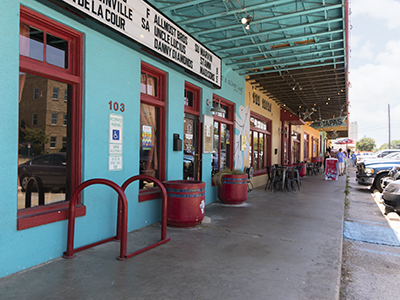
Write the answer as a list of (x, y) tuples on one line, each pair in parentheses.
[(149, 194), (260, 172), (40, 215)]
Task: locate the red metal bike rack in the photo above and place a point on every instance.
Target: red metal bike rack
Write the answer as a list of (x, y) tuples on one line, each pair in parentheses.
[(122, 219), (164, 238)]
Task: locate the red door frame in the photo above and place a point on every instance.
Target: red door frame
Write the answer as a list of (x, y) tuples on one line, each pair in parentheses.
[(160, 102), (196, 111), (229, 120)]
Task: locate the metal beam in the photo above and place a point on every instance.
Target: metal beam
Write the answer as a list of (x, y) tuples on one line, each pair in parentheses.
[(298, 73), (294, 63), (269, 20), (295, 55), (182, 5), (294, 68), (232, 12), (288, 28), (272, 43), (276, 51)]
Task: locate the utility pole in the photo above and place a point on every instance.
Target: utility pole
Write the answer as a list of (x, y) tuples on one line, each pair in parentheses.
[(389, 123)]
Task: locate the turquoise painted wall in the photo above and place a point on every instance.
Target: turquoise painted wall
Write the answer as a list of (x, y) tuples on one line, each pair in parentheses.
[(111, 73)]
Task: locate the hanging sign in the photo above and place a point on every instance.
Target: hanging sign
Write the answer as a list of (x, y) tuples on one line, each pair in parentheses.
[(336, 122), (144, 24)]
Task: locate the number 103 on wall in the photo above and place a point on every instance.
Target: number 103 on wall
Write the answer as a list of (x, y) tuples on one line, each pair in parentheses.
[(117, 106)]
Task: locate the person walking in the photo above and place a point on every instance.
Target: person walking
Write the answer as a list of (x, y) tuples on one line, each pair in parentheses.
[(353, 159), (341, 157)]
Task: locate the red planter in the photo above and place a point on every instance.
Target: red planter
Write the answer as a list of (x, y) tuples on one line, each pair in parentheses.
[(233, 189), (186, 202)]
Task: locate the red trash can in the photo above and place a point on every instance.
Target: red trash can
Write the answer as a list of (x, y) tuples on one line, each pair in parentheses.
[(186, 202)]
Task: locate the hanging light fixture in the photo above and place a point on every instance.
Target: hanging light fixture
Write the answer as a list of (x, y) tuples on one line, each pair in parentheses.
[(247, 21), (218, 108)]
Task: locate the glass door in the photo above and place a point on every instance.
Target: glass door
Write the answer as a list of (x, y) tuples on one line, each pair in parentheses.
[(191, 148)]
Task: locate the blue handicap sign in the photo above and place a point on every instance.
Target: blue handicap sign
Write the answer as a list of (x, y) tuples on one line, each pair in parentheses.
[(115, 135)]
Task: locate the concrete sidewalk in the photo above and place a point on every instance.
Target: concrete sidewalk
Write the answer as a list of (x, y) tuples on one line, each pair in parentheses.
[(278, 245)]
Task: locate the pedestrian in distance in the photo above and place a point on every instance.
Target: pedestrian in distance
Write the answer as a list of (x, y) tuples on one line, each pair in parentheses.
[(353, 159), (341, 157)]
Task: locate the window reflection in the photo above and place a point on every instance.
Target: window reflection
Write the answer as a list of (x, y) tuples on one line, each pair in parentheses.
[(215, 155), (189, 96), (42, 152), (149, 115), (148, 85), (31, 42), (56, 51)]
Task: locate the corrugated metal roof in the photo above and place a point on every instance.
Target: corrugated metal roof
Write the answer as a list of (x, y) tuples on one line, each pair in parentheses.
[(295, 51)]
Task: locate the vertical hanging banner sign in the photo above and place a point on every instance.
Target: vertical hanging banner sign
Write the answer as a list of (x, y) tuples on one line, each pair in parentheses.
[(142, 23)]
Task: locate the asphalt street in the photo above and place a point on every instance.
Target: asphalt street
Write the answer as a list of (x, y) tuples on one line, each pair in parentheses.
[(371, 246)]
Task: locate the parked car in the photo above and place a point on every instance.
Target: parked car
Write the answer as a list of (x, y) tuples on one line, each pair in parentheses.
[(394, 174), (371, 172), (379, 154), (50, 168), (391, 197)]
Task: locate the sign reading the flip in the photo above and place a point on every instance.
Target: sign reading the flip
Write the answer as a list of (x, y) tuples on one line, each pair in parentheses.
[(115, 142), (144, 24)]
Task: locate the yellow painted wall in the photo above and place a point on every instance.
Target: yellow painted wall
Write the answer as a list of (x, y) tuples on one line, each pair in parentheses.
[(274, 116), (313, 134)]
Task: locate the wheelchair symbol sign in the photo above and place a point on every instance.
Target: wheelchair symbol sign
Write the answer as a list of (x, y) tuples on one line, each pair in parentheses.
[(115, 135)]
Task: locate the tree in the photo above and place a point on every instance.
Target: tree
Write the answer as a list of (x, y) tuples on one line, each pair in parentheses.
[(365, 144), (38, 138), (393, 145)]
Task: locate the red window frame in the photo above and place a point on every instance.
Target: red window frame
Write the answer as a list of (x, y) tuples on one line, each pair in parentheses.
[(160, 101), (228, 120), (35, 216), (306, 146), (267, 143), (195, 110)]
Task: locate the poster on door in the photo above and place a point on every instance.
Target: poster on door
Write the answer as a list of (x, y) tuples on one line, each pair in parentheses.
[(146, 137)]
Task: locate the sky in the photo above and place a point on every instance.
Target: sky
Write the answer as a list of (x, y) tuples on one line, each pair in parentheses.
[(374, 68)]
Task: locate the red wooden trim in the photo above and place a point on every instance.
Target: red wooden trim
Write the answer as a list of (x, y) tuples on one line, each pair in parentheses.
[(267, 145), (59, 211), (161, 102), (50, 213), (149, 194), (260, 172), (195, 110)]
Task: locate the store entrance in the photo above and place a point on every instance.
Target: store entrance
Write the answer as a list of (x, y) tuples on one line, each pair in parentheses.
[(191, 169)]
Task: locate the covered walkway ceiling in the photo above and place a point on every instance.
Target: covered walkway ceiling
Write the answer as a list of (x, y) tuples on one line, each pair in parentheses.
[(295, 51)]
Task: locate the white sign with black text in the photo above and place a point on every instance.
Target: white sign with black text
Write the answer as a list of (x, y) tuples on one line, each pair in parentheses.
[(115, 142), (144, 24)]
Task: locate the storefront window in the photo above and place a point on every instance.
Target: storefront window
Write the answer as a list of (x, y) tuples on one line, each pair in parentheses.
[(306, 146), (48, 149), (149, 160), (296, 148), (259, 153), (32, 41), (152, 128), (189, 97), (222, 134)]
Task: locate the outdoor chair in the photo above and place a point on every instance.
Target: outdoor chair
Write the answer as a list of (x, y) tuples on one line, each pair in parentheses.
[(269, 177)]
